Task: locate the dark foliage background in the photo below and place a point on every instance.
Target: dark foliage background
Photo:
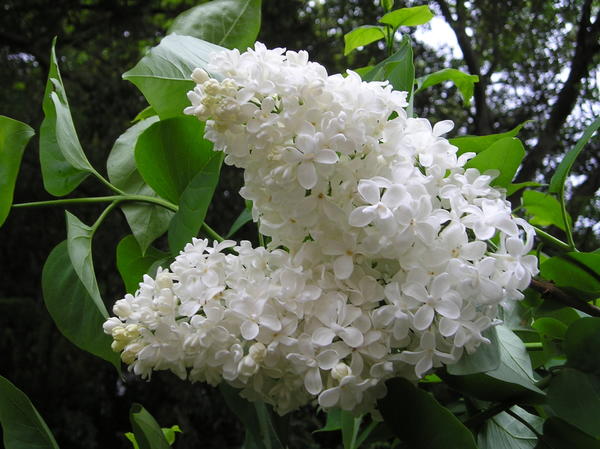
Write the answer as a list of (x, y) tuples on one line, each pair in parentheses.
[(537, 60)]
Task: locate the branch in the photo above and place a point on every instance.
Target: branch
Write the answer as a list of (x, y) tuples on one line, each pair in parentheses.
[(587, 47), (549, 290), (483, 121)]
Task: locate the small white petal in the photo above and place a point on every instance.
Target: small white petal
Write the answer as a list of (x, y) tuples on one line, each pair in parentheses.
[(343, 267), (312, 381), (423, 318), (249, 330), (307, 175)]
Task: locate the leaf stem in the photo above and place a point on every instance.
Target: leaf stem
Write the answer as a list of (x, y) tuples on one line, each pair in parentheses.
[(551, 240), (525, 423), (107, 183), (103, 215), (211, 232), (102, 199), (565, 217), (478, 419), (534, 346)]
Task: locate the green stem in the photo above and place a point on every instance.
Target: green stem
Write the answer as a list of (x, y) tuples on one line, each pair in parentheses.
[(565, 217), (551, 240), (535, 346), (103, 215), (107, 183), (211, 232), (102, 199)]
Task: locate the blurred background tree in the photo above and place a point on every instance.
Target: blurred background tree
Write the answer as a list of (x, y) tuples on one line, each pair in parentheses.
[(537, 60)]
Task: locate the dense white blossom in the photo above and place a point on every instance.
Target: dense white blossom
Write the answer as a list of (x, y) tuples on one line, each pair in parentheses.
[(387, 267)]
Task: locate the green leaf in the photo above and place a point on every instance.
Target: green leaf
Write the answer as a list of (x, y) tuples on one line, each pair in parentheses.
[(79, 241), (550, 327), (60, 176), (132, 264), (256, 418), (577, 271), (557, 183), (170, 433), (170, 153), (544, 209), (244, 217), (512, 188), (334, 421), (361, 36), (163, 75), (504, 155), (14, 136), (362, 71), (148, 433), (74, 311), (22, 425), (582, 344), (145, 113), (560, 435), (194, 203), (503, 431), (398, 69), (228, 23), (476, 144), (485, 358), (513, 379), (463, 81), (147, 221), (425, 424), (417, 15), (575, 397)]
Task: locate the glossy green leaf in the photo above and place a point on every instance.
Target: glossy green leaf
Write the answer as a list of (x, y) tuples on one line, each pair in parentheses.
[(194, 203), (59, 175), (463, 81), (578, 271), (256, 418), (361, 36), (147, 221), (164, 74), (79, 240), (557, 183), (504, 155), (170, 153), (14, 136), (132, 264), (485, 358), (22, 425), (74, 311), (503, 431), (228, 23), (148, 433), (560, 435), (582, 345), (244, 217), (398, 69), (476, 144), (544, 209), (575, 397), (417, 15), (414, 424)]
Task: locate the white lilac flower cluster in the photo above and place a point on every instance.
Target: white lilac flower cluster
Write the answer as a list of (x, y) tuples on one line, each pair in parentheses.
[(387, 267)]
